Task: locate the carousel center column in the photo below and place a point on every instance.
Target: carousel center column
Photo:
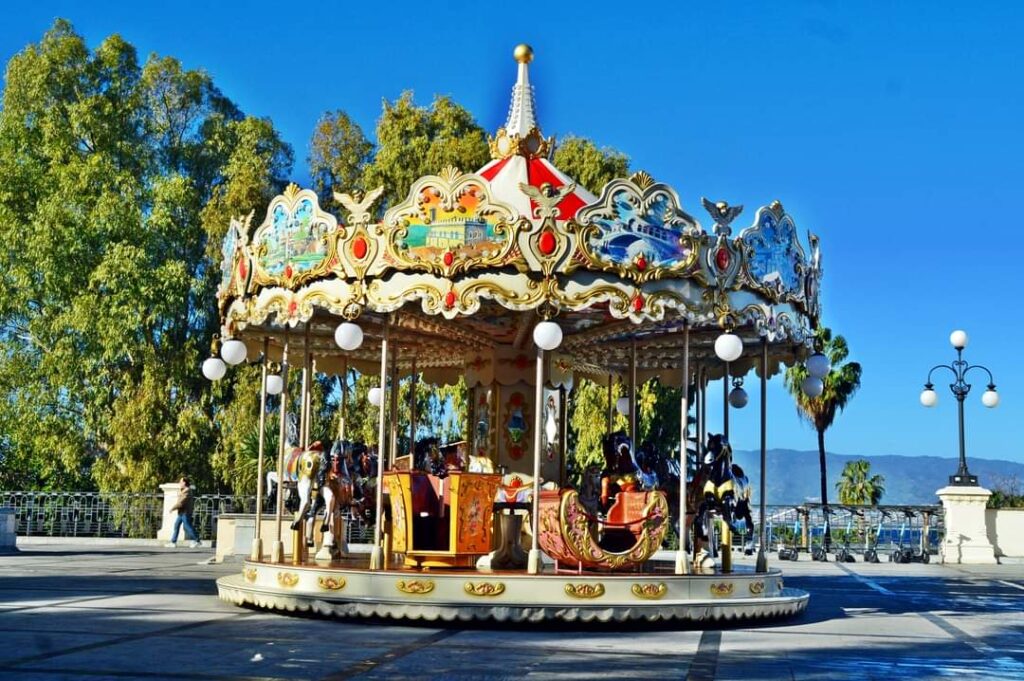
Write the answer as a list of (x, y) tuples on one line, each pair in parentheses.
[(277, 548), (377, 554)]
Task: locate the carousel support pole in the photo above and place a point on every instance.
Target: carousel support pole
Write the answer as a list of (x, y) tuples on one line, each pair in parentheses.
[(257, 540), (611, 407), (377, 553), (726, 548), (698, 398), (762, 556), (412, 413), (393, 410), (632, 398), (309, 397), (563, 433), (277, 548), (533, 563), (703, 413), (725, 403), (303, 408), (344, 400), (682, 565)]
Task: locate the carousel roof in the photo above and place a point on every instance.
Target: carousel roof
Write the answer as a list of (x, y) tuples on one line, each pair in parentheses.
[(520, 154), (460, 271)]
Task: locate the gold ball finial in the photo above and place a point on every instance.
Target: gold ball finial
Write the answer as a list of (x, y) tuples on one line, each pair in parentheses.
[(523, 53)]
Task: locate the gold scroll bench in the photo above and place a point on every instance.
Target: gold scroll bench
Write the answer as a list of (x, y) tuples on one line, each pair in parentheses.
[(633, 530), (441, 522)]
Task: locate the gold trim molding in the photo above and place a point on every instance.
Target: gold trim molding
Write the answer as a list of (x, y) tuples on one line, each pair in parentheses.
[(722, 588), (585, 590), (331, 583), (249, 574), (415, 587), (287, 579), (650, 591), (484, 588), (757, 587)]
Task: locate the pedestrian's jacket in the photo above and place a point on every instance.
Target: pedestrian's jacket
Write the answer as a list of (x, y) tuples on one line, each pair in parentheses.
[(186, 501)]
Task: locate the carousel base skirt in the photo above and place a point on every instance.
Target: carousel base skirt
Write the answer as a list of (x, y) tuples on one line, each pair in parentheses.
[(348, 589)]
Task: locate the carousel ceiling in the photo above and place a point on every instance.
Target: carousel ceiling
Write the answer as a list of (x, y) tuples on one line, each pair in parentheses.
[(461, 270)]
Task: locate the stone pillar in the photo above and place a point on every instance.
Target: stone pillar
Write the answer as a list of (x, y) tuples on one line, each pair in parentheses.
[(966, 538), (170, 490), (8, 536)]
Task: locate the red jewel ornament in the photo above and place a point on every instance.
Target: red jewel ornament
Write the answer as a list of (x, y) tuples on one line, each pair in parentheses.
[(449, 299), (722, 258), (638, 303), (243, 271), (292, 306), (641, 263), (448, 258), (546, 243), (288, 271), (359, 248)]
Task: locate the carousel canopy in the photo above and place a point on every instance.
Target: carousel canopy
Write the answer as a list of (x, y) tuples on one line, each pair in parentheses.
[(459, 273)]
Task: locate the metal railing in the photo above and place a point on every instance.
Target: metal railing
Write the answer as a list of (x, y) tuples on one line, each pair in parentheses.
[(93, 514)]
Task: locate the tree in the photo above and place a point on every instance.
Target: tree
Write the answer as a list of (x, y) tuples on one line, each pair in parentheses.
[(120, 179), (338, 155), (413, 141), (857, 486), (840, 385), (592, 167)]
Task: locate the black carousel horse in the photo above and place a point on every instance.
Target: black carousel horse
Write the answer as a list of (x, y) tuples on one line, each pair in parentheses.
[(720, 490), (620, 468)]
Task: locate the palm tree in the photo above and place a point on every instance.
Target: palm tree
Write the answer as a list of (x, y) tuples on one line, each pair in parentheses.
[(841, 382), (857, 486)]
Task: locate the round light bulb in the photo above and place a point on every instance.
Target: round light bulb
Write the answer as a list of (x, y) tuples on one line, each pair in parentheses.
[(275, 384), (622, 405), (233, 351), (547, 335), (738, 398), (812, 386), (958, 339), (990, 398), (818, 365), (214, 368), (348, 336), (376, 396), (728, 347), (929, 398)]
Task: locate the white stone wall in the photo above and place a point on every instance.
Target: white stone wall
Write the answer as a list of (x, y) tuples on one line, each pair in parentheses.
[(7, 535), (1006, 530)]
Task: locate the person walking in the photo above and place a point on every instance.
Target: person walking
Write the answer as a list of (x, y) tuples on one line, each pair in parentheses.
[(186, 501)]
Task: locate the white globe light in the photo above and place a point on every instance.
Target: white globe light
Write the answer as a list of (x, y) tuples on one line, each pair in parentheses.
[(929, 398), (812, 387), (214, 368), (233, 351), (738, 398), (818, 365), (568, 383), (728, 347), (990, 398), (547, 335), (275, 384), (376, 396), (622, 405), (958, 339), (348, 336)]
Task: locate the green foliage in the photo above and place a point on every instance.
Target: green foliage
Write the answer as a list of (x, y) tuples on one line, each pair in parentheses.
[(413, 141), (857, 486), (1006, 493), (338, 154), (119, 182), (840, 385), (592, 167)]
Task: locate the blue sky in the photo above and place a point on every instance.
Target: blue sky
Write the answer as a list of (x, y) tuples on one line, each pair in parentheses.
[(893, 130)]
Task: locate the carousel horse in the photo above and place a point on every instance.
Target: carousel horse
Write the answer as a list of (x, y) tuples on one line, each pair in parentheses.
[(305, 465), (590, 489), (719, 489), (335, 483), (480, 464), (742, 512), (364, 482)]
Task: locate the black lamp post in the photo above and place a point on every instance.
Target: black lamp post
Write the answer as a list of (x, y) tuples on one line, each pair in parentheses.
[(960, 387)]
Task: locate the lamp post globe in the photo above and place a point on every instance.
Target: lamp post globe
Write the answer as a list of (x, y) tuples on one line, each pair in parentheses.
[(738, 398), (233, 351), (214, 368), (728, 347), (812, 386), (275, 384), (375, 396), (958, 339), (818, 365), (929, 398), (622, 406), (990, 398)]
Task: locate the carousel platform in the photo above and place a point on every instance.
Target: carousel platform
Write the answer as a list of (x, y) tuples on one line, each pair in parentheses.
[(348, 589)]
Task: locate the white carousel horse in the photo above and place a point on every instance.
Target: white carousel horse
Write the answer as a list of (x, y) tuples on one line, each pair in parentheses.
[(480, 464), (335, 485)]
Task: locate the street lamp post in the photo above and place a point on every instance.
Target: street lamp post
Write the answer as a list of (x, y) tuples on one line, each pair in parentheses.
[(960, 387)]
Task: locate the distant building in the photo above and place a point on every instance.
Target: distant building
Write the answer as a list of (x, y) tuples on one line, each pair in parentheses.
[(455, 232)]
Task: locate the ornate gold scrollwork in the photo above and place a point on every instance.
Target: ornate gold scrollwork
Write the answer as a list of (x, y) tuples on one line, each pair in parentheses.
[(722, 588), (416, 587), (287, 579), (595, 590), (249, 574), (650, 591), (756, 587), (484, 588), (331, 583)]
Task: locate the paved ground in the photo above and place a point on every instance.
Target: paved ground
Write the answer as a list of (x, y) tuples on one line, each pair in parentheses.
[(93, 612)]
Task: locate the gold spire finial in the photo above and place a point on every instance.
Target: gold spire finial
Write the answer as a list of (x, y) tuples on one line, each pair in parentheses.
[(523, 53)]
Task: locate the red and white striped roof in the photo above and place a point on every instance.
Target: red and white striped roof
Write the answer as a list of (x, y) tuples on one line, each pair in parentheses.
[(520, 166)]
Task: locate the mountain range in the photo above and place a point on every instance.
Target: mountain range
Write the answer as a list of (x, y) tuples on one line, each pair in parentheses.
[(793, 476)]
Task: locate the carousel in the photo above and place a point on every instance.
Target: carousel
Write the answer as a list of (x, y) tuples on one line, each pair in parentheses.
[(521, 283)]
